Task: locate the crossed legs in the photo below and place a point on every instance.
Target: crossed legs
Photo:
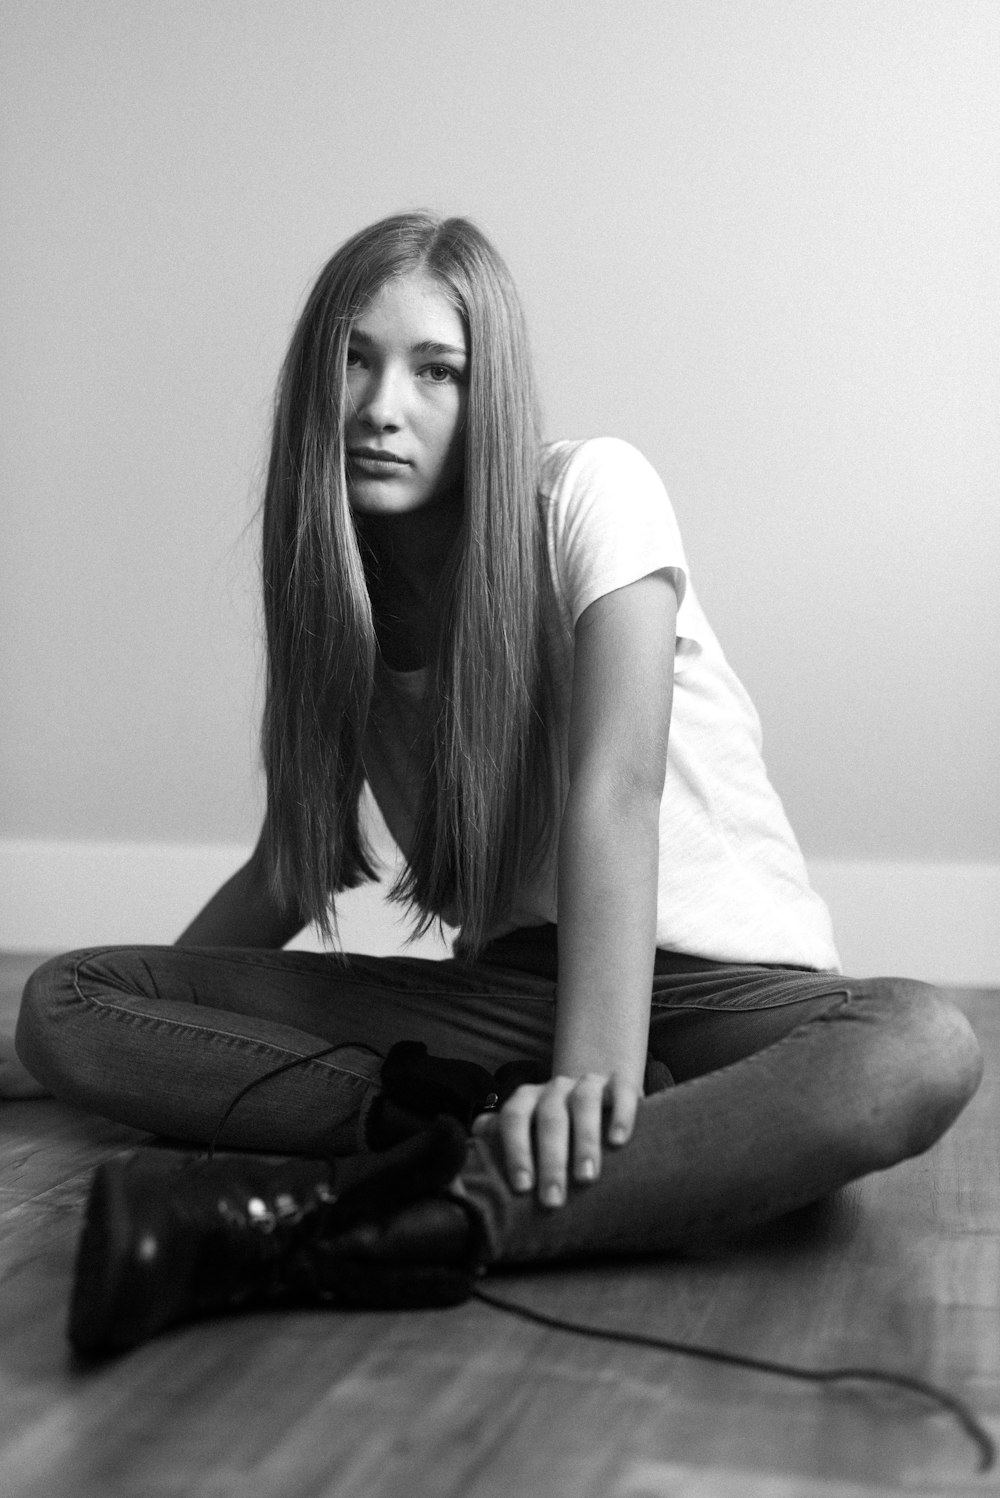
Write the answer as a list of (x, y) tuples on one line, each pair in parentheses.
[(787, 1084)]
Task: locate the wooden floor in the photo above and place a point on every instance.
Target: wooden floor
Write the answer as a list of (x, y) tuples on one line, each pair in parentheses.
[(901, 1272)]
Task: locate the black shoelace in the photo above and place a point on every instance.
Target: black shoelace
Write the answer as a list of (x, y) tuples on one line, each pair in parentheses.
[(957, 1408)]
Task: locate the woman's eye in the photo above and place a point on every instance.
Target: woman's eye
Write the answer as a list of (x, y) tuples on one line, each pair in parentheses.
[(353, 358), (440, 374)]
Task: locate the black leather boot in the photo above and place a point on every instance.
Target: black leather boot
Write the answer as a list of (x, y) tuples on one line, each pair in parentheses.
[(171, 1237)]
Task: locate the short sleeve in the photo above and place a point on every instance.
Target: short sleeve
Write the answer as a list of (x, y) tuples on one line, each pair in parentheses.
[(610, 522)]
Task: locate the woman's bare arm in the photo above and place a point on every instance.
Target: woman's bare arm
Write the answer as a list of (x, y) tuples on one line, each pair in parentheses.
[(243, 913), (608, 866)]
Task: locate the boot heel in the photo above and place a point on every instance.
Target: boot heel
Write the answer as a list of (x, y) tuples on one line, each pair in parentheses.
[(124, 1289)]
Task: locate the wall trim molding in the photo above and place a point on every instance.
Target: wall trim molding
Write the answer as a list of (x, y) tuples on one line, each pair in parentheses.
[(939, 921)]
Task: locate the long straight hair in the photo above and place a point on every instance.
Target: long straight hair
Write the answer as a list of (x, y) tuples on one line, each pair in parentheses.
[(485, 810)]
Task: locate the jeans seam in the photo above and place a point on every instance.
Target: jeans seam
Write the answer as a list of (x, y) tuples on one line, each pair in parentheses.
[(757, 1056), (247, 958), (665, 1001), (802, 998), (178, 1026)]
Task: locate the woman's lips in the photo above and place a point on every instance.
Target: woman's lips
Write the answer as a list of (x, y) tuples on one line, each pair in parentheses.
[(378, 464)]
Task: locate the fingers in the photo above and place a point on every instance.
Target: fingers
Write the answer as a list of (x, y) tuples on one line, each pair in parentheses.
[(529, 1117), (621, 1120), (552, 1140), (549, 1132), (586, 1108)]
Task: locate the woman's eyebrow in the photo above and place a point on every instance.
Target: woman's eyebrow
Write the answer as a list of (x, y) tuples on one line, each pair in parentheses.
[(429, 347), (426, 346)]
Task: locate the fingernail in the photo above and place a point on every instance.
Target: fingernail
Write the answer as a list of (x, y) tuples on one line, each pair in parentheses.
[(522, 1180), (618, 1134), (552, 1195), (586, 1171)]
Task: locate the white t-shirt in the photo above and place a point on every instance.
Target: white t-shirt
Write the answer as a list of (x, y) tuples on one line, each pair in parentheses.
[(733, 885)]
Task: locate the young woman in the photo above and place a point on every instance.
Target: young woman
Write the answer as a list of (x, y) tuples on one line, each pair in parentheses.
[(503, 640)]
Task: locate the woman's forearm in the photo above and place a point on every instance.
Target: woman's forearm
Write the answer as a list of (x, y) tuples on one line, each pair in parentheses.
[(243, 913), (608, 862)]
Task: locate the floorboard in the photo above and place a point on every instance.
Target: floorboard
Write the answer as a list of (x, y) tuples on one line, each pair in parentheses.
[(901, 1271)]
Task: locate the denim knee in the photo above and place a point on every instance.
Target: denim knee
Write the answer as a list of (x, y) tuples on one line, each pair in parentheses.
[(43, 1044), (923, 1064)]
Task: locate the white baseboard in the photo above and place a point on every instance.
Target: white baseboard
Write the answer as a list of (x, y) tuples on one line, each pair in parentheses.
[(939, 921)]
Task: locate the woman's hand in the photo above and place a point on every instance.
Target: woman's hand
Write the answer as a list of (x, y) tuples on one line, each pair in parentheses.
[(552, 1132)]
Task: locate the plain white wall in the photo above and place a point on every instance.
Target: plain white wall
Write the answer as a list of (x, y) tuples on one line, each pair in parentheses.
[(758, 239)]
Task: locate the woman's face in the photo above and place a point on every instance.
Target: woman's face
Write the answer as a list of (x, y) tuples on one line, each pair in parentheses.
[(407, 392)]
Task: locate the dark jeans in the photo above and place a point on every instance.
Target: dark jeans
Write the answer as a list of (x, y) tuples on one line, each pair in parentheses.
[(775, 1085)]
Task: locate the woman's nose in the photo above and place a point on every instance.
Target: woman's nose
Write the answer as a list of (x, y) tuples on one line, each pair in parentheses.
[(381, 403)]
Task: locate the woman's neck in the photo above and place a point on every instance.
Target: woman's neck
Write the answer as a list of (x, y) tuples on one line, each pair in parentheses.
[(414, 544), (405, 557)]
